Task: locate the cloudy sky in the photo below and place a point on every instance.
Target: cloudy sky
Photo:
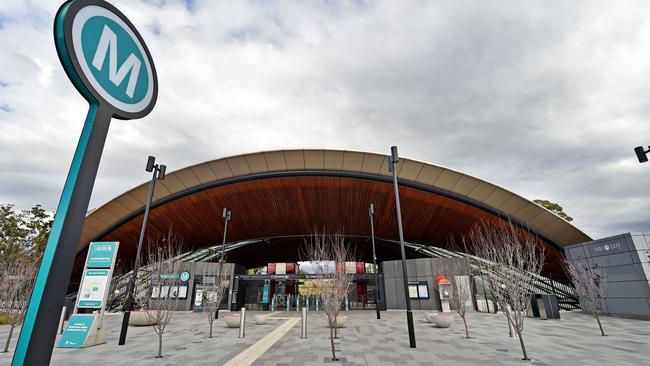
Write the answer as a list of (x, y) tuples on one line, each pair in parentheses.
[(546, 99)]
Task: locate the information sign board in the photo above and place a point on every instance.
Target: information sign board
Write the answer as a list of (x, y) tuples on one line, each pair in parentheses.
[(100, 254), (93, 289), (77, 330)]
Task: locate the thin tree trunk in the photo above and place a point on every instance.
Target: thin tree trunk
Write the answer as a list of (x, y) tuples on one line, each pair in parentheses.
[(210, 330), (11, 331), (523, 346), (336, 325), (466, 331), (332, 342), (509, 325), (159, 345), (602, 332)]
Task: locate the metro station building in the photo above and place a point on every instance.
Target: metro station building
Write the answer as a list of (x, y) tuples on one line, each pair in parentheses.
[(279, 198)]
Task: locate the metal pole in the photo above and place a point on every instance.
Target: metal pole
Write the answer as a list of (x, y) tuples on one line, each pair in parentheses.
[(371, 212), (62, 319), (304, 323), (226, 218), (131, 287), (394, 158), (242, 323)]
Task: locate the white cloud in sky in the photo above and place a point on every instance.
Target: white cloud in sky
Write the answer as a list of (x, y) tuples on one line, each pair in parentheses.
[(545, 99)]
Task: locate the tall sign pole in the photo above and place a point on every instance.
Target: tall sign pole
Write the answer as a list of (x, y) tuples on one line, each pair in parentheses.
[(393, 159), (117, 82), (371, 213)]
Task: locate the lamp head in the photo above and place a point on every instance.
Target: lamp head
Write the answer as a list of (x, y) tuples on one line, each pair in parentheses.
[(150, 163), (371, 209), (393, 154), (161, 172), (641, 154)]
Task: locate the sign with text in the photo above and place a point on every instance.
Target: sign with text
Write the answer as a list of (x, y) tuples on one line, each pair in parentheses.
[(93, 288), (101, 254), (77, 331)]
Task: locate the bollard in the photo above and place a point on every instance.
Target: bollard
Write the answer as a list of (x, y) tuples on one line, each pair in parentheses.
[(273, 303), (304, 323), (317, 303), (297, 302), (288, 302), (347, 303), (62, 319), (242, 323)]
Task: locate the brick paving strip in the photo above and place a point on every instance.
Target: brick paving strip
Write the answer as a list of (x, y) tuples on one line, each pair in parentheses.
[(252, 353)]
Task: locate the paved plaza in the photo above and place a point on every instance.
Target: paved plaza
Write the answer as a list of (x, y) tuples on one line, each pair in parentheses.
[(573, 340)]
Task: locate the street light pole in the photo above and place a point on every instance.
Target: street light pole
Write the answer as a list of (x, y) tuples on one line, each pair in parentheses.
[(394, 159), (371, 212), (158, 173), (226, 217)]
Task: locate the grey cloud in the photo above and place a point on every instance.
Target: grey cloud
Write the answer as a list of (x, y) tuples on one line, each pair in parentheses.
[(545, 99)]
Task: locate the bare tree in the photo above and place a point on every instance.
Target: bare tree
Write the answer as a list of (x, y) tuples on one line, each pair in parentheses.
[(328, 254), (161, 259), (461, 293), (214, 288), (589, 282), (514, 259), (16, 283)]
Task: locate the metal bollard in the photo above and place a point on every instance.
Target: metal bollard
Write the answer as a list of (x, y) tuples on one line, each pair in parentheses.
[(62, 319), (288, 302), (242, 323), (304, 323), (317, 303)]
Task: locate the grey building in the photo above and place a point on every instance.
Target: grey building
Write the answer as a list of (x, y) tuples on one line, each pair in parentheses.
[(421, 275), (625, 260)]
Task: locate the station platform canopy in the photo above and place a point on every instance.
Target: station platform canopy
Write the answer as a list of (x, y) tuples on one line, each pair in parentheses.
[(279, 198)]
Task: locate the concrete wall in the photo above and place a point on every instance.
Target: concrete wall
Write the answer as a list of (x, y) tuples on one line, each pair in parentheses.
[(625, 259), (420, 269)]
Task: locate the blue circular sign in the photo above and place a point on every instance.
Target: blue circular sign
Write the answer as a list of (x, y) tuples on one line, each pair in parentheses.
[(106, 58), (185, 276)]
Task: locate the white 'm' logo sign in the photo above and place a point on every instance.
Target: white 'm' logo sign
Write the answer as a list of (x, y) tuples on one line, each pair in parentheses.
[(108, 40)]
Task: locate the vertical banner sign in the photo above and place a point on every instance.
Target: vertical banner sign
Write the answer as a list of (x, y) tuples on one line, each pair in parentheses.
[(108, 62), (84, 330)]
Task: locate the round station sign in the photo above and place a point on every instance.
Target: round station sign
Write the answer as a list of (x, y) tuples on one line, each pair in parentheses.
[(106, 58)]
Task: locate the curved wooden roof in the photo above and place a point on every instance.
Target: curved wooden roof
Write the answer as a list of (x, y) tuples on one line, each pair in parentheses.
[(291, 192)]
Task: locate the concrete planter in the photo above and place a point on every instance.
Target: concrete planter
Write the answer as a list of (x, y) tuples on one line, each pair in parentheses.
[(140, 318), (443, 320), (261, 319), (340, 321), (232, 321), (430, 316)]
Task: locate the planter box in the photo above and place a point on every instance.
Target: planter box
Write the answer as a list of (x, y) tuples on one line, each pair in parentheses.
[(140, 318)]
